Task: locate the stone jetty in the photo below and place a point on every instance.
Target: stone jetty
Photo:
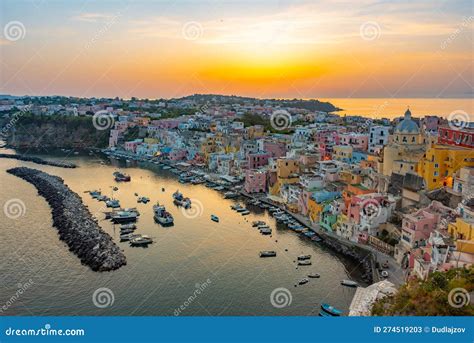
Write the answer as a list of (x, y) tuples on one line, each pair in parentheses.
[(38, 160), (74, 222)]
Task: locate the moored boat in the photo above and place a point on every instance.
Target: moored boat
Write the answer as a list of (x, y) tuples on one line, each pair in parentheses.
[(314, 275), (124, 216), (268, 253), (180, 200), (349, 283), (303, 281), (214, 218), (331, 310), (304, 263), (304, 257), (140, 241), (162, 216)]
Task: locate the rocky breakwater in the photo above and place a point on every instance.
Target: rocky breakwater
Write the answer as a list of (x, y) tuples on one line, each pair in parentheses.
[(74, 222), (38, 160), (357, 254)]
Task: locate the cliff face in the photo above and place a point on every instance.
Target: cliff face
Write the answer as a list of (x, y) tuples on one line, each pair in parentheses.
[(59, 132)]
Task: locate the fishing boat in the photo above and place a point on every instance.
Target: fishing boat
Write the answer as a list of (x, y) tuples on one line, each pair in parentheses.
[(309, 234), (331, 310), (128, 226), (303, 281), (128, 236), (166, 167), (314, 276), (316, 239), (124, 216), (180, 200), (162, 216), (304, 257), (268, 253), (113, 203), (126, 231), (266, 231), (237, 207), (121, 177), (95, 194), (258, 223), (140, 241), (143, 200), (304, 263), (214, 218), (230, 195), (349, 283), (219, 188), (245, 212)]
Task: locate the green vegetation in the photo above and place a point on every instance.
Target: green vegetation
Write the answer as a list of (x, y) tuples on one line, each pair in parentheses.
[(250, 119), (56, 131), (431, 297)]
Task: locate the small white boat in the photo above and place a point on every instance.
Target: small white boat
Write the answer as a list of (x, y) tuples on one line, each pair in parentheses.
[(304, 263), (349, 283), (268, 253), (214, 218), (303, 281), (304, 257)]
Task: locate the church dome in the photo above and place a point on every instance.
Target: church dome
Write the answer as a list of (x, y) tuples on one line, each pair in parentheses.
[(407, 125)]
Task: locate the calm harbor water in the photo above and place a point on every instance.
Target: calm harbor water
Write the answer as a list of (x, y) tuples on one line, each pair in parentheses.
[(159, 279)]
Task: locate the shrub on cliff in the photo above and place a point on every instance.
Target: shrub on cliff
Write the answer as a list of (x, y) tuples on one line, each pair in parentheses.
[(433, 297)]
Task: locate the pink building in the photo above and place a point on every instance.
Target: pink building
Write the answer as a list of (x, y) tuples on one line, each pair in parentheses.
[(257, 160), (132, 145), (166, 123), (417, 226), (356, 140), (178, 154), (273, 148), (255, 181)]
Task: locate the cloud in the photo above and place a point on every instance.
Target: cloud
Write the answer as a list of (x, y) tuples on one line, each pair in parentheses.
[(93, 17)]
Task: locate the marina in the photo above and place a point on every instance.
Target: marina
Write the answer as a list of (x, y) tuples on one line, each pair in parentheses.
[(129, 223)]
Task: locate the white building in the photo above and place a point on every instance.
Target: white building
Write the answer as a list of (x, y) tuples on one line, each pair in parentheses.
[(378, 138)]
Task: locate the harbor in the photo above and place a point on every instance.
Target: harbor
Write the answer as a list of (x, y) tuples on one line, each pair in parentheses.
[(194, 248)]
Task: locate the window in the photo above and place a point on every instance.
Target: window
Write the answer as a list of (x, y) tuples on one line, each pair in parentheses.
[(436, 165), (436, 173)]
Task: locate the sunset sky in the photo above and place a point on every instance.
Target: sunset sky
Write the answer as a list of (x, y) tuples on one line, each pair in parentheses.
[(303, 49)]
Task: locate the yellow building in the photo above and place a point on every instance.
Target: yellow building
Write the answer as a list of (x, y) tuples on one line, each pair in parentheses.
[(342, 153), (314, 209), (408, 145), (441, 162), (463, 232), (287, 172)]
